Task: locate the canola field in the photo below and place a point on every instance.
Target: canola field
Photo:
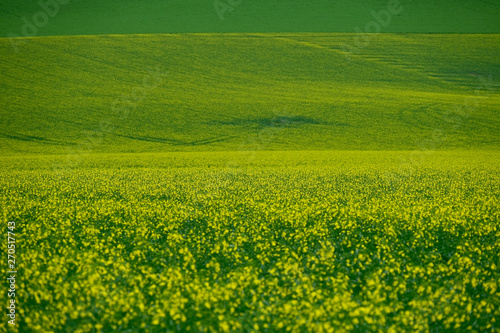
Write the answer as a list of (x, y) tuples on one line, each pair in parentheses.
[(256, 242), (252, 182)]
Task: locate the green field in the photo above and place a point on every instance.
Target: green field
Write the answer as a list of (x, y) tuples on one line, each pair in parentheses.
[(249, 92), (91, 17), (171, 172)]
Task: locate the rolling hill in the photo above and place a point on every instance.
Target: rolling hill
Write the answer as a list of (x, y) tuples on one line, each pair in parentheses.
[(178, 92)]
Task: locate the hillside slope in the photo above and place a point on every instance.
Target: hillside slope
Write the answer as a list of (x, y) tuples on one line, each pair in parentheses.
[(249, 91), (78, 17)]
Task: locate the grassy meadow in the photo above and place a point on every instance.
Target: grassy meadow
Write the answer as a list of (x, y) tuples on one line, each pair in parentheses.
[(252, 182), (178, 92)]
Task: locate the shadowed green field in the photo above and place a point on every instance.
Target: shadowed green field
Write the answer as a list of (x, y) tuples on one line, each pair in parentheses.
[(181, 92), (77, 17)]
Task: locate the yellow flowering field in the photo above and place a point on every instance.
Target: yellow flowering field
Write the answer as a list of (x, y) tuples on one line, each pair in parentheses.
[(256, 242)]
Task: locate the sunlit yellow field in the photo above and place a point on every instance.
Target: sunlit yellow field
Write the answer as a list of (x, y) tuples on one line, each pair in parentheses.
[(257, 242)]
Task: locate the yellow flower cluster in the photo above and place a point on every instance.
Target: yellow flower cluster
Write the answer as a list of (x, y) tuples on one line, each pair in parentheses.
[(318, 247)]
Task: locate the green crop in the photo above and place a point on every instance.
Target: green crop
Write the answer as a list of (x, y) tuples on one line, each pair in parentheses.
[(90, 17), (199, 92)]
